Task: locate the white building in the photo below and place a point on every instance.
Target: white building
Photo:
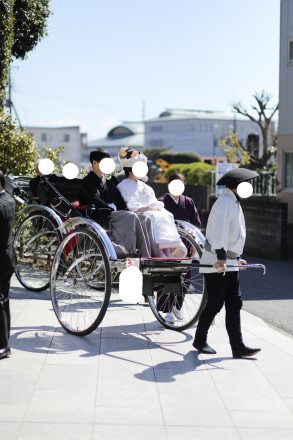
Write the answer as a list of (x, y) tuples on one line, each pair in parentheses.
[(285, 134), (126, 133), (198, 131), (73, 141)]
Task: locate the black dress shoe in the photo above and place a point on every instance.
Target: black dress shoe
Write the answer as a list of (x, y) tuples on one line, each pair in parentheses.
[(244, 351), (5, 352), (203, 347)]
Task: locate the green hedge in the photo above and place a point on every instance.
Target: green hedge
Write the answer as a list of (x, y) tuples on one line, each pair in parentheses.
[(174, 157), (195, 173)]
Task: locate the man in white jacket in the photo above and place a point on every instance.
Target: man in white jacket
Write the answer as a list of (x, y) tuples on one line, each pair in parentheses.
[(225, 236)]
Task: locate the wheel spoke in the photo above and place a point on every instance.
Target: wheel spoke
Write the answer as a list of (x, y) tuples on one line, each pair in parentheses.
[(35, 243), (80, 282), (193, 297)]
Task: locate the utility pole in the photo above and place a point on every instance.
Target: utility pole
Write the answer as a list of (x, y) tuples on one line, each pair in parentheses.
[(9, 102)]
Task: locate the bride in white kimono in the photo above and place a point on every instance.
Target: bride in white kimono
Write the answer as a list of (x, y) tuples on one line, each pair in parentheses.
[(140, 197)]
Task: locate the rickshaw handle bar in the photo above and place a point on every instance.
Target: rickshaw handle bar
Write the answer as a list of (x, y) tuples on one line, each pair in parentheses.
[(246, 266)]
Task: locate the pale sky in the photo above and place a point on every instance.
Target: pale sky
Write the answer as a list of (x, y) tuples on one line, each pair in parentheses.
[(103, 58)]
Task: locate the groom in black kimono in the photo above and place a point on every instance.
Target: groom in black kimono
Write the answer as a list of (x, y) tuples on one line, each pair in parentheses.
[(7, 264), (123, 226)]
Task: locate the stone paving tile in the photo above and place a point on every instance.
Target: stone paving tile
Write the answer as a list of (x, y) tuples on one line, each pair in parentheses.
[(251, 395), (128, 392), (289, 402), (60, 377), (205, 409), (9, 430), (232, 371), (191, 382), (12, 412), (70, 349), (136, 349), (123, 331), (263, 419), (128, 415), (119, 365), (31, 341), (127, 432), (53, 406), (132, 378), (201, 433), (56, 431), (265, 434)]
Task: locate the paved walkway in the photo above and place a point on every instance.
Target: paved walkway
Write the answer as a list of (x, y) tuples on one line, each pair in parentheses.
[(132, 379)]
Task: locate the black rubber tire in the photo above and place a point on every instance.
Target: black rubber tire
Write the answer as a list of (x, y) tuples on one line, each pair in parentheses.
[(193, 303), (32, 276), (81, 282)]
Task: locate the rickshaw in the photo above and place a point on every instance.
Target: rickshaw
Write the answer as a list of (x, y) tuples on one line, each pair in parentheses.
[(36, 237), (59, 246)]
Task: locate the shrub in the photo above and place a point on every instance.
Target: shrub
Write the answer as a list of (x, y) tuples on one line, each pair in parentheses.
[(175, 157), (154, 153), (18, 150), (195, 173)]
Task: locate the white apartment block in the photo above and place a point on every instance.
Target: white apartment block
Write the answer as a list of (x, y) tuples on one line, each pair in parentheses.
[(198, 131), (73, 141), (285, 133)]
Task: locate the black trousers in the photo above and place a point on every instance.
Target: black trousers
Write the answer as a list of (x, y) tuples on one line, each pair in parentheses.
[(222, 290), (4, 309)]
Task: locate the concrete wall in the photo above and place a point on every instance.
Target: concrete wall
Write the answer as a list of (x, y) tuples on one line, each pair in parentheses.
[(285, 144), (266, 228), (268, 234), (285, 134)]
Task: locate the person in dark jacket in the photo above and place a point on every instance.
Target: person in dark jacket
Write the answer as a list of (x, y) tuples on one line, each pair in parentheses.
[(182, 207), (7, 264), (123, 226)]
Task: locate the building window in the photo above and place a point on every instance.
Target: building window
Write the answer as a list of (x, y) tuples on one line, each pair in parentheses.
[(157, 143), (44, 137), (66, 138), (291, 51), (157, 128), (288, 170)]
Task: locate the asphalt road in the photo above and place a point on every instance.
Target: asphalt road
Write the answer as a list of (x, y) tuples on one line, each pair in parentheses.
[(269, 296)]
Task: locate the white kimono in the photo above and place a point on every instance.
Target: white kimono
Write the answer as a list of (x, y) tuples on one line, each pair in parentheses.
[(139, 195), (225, 229)]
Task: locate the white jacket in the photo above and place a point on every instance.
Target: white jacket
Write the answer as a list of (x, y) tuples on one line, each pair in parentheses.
[(225, 229)]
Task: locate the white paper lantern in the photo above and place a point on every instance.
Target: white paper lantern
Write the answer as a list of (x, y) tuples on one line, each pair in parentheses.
[(130, 285), (46, 166)]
